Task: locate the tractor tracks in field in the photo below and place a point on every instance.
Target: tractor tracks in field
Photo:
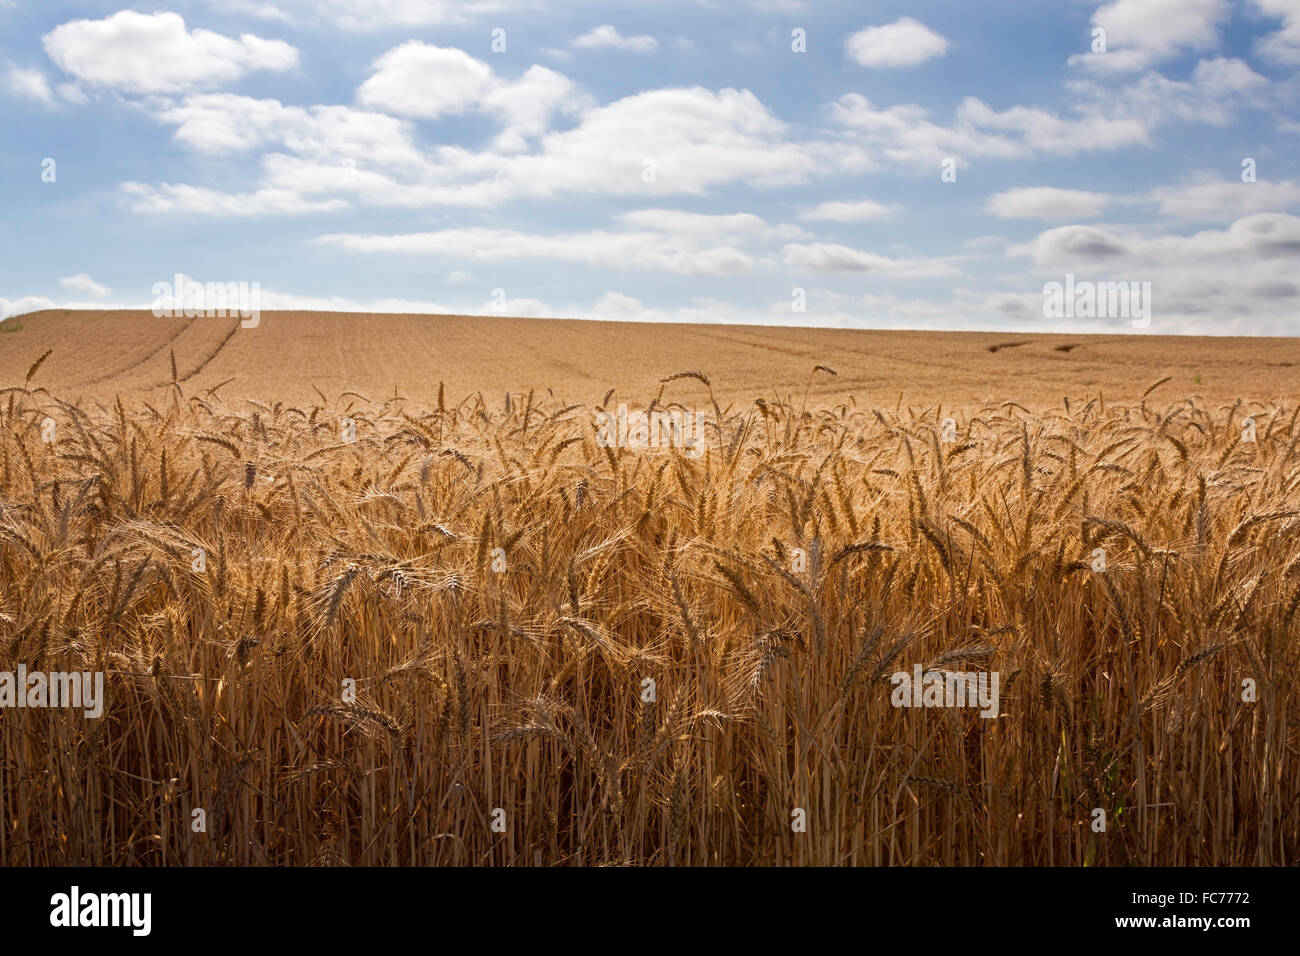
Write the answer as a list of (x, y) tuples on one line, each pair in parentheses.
[(118, 373), (214, 353)]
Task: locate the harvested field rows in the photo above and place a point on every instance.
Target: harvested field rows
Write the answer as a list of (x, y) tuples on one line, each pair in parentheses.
[(289, 355)]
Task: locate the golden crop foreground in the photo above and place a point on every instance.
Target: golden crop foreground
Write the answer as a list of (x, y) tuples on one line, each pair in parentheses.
[(570, 654)]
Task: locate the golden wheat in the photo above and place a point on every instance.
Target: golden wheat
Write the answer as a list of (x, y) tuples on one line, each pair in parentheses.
[(568, 654)]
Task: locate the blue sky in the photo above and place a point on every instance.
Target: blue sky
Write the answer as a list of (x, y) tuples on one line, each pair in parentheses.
[(670, 161)]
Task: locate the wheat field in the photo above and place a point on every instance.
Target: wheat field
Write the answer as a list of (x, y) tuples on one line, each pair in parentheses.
[(569, 654), (294, 357)]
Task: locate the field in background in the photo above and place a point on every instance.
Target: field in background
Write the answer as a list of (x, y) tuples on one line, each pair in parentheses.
[(98, 355), (500, 588)]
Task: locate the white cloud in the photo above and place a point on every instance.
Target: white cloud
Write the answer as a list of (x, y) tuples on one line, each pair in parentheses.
[(85, 284), (1284, 44), (619, 250), (693, 225), (1072, 244), (607, 38), (1101, 119), (416, 79), (1237, 279), (832, 257), (1046, 202), (1223, 77), (154, 53), (656, 239), (429, 82), (28, 303), (695, 138), (1039, 131), (1141, 33), (617, 307), (653, 144), (197, 200), (1222, 201), (692, 139), (1268, 238), (904, 42), (29, 84), (345, 138), (857, 211), (1260, 237), (522, 307), (460, 277), (1218, 90), (904, 134), (527, 106)]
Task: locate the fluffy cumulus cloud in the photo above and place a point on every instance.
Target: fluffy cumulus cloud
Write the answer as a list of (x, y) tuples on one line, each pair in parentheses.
[(1066, 245), (527, 107), (1141, 33), (1047, 202), (23, 305), (1219, 200), (224, 124), (655, 144), (1240, 278), (429, 82), (85, 284), (155, 53), (904, 42), (660, 143), (417, 79), (1264, 239), (676, 140), (607, 37)]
